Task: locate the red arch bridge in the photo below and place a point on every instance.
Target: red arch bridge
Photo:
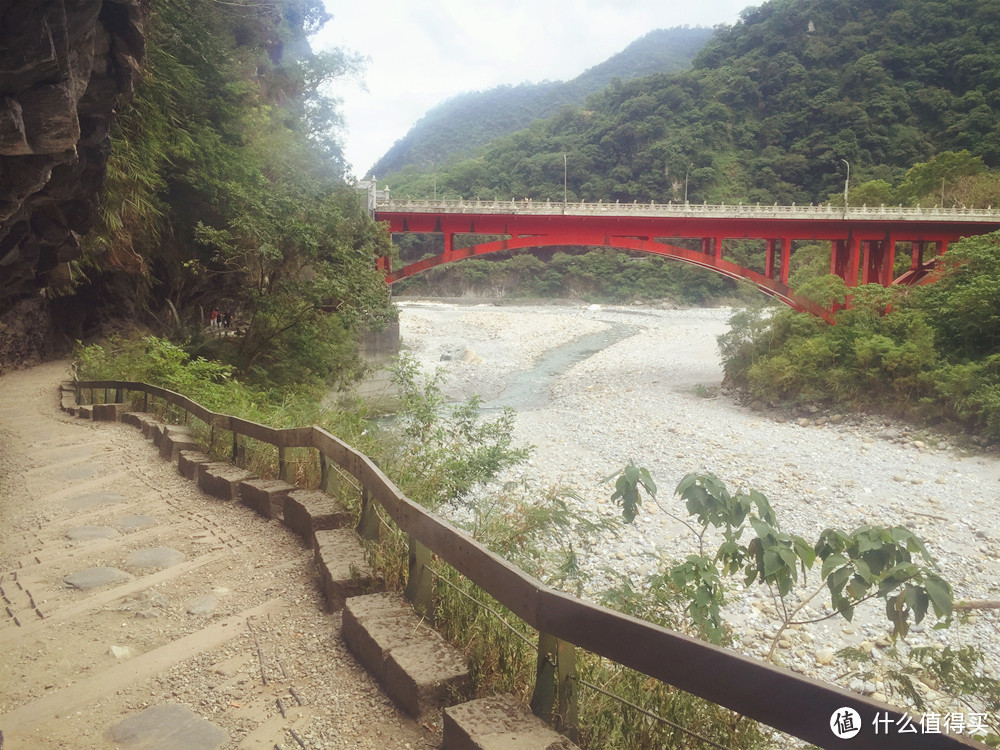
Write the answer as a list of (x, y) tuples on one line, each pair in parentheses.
[(864, 241)]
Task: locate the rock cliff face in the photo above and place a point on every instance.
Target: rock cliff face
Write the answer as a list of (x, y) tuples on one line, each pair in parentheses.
[(64, 67)]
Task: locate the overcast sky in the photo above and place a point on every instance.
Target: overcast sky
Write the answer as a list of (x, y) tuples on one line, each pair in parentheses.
[(423, 52)]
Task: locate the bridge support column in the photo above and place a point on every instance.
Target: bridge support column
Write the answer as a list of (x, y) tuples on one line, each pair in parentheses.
[(879, 258), (786, 258), (872, 250), (845, 259), (916, 254), (778, 254), (712, 246), (888, 260)]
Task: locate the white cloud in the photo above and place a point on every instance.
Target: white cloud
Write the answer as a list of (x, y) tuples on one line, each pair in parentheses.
[(425, 51)]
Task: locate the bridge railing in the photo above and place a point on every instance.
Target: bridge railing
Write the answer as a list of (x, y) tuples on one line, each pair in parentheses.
[(792, 703), (739, 210)]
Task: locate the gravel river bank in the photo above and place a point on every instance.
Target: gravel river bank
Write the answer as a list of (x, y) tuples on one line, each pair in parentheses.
[(597, 386)]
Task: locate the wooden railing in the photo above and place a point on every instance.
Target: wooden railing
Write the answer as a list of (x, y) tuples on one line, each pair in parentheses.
[(792, 703)]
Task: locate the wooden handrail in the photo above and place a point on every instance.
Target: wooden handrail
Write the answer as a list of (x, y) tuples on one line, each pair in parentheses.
[(792, 703)]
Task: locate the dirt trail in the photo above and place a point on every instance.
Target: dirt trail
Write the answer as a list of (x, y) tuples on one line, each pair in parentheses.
[(235, 598)]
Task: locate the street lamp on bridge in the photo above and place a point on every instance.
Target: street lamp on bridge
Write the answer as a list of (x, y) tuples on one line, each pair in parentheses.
[(564, 181), (847, 184), (686, 183)]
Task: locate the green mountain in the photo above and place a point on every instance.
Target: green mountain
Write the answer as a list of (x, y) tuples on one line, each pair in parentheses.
[(770, 110), (459, 126)]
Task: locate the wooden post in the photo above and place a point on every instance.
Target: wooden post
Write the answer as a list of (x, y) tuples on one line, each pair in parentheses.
[(76, 393), (236, 446), (555, 698), (544, 697), (119, 397), (324, 472), (283, 466), (368, 527), (329, 481), (566, 719), (418, 581), (145, 401)]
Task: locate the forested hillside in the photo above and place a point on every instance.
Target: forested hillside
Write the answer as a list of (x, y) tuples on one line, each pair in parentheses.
[(463, 124), (770, 109), (225, 191)]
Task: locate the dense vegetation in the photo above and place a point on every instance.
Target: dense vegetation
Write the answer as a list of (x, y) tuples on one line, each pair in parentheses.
[(225, 191), (932, 352), (461, 125)]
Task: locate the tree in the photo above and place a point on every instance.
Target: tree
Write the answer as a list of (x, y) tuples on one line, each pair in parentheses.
[(226, 190), (964, 305), (927, 181)]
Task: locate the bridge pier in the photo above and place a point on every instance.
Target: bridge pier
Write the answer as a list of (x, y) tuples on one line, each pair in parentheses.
[(778, 255), (379, 345), (880, 256), (916, 254), (845, 259)]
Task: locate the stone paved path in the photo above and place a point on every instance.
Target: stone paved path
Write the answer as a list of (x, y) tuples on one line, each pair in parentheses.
[(125, 589)]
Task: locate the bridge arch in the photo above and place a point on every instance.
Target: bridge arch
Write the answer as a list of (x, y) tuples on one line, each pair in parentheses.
[(771, 287)]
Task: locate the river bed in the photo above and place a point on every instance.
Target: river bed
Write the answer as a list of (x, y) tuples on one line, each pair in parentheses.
[(597, 386)]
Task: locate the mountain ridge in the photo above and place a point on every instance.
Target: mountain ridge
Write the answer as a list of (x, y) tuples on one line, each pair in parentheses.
[(457, 127)]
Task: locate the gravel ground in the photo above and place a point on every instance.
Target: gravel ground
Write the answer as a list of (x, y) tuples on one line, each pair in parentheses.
[(643, 399)]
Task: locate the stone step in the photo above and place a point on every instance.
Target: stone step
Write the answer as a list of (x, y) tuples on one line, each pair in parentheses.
[(132, 418), (416, 667), (67, 397), (309, 511), (221, 480), (110, 412), (176, 439), (498, 722), (189, 461), (343, 569), (149, 425), (266, 496)]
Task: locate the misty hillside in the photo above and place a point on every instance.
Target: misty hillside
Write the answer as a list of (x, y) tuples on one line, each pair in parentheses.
[(459, 126)]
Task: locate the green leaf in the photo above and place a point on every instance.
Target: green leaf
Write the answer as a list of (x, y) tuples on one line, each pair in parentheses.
[(940, 595), (772, 561), (832, 563), (838, 579), (864, 571), (788, 557)]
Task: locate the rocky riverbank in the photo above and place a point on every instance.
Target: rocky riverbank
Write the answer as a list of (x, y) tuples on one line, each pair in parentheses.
[(651, 395)]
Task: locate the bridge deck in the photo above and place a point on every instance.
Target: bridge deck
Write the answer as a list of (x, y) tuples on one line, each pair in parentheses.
[(679, 210)]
